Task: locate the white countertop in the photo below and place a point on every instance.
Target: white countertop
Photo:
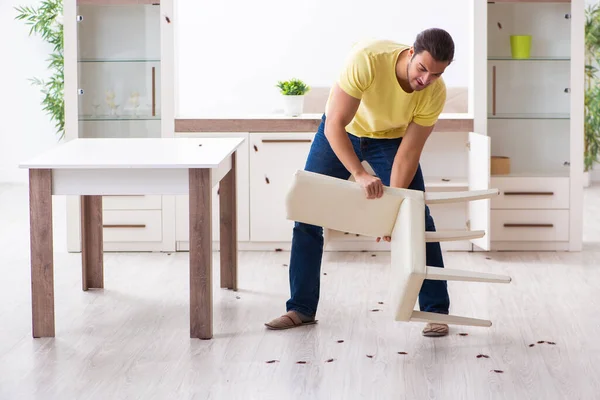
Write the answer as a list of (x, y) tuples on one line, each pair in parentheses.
[(136, 153)]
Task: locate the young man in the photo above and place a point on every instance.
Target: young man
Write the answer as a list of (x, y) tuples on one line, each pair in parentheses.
[(381, 110)]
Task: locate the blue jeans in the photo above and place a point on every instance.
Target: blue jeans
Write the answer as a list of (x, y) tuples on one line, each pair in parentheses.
[(307, 240)]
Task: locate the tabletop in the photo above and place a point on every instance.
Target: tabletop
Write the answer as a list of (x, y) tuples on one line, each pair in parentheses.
[(105, 153)]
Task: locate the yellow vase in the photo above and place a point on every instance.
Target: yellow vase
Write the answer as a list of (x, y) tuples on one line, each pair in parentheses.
[(520, 46)]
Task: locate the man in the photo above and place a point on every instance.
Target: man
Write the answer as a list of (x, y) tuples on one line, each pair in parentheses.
[(381, 110)]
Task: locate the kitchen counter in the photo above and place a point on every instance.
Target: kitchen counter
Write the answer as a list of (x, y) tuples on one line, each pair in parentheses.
[(303, 123)]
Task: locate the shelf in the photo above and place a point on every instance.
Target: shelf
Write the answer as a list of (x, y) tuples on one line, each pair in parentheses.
[(117, 60), (535, 174), (533, 59), (119, 118), (529, 116)]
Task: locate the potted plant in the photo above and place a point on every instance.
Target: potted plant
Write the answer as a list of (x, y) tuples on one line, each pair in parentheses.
[(592, 90), (293, 92), (47, 21)]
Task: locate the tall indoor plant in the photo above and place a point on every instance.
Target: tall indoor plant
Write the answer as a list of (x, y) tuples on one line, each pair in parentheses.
[(592, 88), (46, 20)]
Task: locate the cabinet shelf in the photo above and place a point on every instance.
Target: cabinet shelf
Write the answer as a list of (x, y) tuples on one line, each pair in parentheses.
[(119, 118), (529, 116), (531, 59), (118, 60)]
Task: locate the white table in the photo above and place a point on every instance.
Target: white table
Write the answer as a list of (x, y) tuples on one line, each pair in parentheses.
[(91, 168)]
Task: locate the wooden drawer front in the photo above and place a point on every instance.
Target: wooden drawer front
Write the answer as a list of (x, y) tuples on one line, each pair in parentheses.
[(132, 226), (531, 193), (530, 225), (131, 202)]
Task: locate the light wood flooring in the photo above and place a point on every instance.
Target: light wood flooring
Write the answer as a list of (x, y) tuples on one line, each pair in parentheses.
[(131, 340)]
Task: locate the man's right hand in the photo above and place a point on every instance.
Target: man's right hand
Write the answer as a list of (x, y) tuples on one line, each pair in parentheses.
[(372, 185)]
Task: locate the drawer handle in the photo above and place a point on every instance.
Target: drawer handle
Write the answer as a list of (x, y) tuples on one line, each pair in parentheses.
[(125, 226), (286, 140), (528, 193), (528, 225)]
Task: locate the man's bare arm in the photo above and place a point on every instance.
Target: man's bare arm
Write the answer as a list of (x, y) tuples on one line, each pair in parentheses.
[(408, 155), (341, 110)]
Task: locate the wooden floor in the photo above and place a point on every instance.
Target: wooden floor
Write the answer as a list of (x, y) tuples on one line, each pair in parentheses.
[(131, 340)]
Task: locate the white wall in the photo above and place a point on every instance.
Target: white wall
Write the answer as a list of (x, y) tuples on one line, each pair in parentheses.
[(232, 52), (25, 129)]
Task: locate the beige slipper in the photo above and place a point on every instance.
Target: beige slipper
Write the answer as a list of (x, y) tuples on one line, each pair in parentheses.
[(435, 330), (287, 321)]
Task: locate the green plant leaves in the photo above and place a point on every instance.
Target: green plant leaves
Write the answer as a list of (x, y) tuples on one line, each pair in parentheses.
[(293, 87), (45, 21)]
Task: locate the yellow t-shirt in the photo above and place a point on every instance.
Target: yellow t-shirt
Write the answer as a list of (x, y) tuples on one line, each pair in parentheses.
[(385, 109)]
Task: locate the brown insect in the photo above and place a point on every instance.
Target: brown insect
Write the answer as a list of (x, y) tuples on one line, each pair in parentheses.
[(552, 343), (482, 355), (272, 361), (340, 341), (498, 371), (278, 249), (380, 302), (531, 345), (267, 180), (285, 265), (255, 148), (499, 25), (373, 255), (300, 362), (324, 273), (369, 355), (402, 352), (463, 334), (330, 360), (168, 19), (375, 310), (541, 341)]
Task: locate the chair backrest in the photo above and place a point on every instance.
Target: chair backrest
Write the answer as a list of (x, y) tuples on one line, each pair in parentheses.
[(339, 204)]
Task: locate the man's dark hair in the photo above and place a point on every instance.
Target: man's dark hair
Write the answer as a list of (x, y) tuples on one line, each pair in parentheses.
[(436, 42)]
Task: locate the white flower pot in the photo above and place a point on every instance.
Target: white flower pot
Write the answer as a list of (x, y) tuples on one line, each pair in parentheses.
[(586, 179), (293, 106)]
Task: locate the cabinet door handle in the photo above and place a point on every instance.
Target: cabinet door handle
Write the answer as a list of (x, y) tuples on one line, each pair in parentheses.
[(124, 226), (528, 225), (528, 193), (286, 140), (123, 195), (494, 90), (153, 91)]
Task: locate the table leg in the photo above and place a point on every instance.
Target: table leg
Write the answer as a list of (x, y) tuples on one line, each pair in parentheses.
[(92, 266), (200, 198), (228, 227), (42, 252)]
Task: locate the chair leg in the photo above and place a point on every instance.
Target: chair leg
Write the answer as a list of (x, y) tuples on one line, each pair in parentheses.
[(449, 236), (420, 316), (454, 197), (447, 274)]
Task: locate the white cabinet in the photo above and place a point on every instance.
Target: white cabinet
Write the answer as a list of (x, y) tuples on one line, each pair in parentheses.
[(119, 80), (533, 115), (274, 157), (243, 203)]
